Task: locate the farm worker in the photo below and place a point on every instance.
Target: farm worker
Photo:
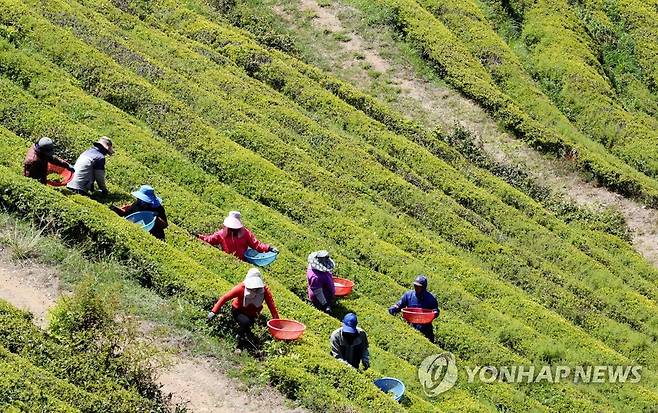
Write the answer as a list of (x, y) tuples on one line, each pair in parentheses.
[(419, 297), (90, 168), (234, 238), (248, 297), (38, 157), (146, 200), (350, 343), (320, 289)]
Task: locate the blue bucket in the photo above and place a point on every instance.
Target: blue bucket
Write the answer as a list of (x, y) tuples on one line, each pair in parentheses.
[(144, 218), (391, 385), (260, 259)]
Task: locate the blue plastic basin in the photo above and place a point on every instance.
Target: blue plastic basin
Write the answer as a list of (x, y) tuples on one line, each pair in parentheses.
[(146, 219), (391, 385), (260, 259)]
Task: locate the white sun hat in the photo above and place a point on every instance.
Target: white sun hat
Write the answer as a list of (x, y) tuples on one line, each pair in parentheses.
[(253, 279), (233, 220)]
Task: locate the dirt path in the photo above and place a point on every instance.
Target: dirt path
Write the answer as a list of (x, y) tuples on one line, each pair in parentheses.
[(432, 103), (196, 381), (28, 286), (208, 390)]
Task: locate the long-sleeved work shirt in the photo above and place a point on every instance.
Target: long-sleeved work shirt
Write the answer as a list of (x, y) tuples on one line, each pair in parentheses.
[(237, 294), (235, 245), (89, 168), (352, 352)]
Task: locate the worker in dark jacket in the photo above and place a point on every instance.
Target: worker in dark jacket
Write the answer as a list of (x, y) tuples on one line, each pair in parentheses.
[(146, 200), (90, 168), (419, 297), (248, 298), (350, 343), (234, 238), (38, 157)]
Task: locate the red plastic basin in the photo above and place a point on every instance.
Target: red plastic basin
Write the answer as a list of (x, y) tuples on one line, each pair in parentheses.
[(418, 315), (282, 329), (64, 173), (343, 286)]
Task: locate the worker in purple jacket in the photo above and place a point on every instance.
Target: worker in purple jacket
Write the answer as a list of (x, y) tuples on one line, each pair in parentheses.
[(321, 290), (419, 297)]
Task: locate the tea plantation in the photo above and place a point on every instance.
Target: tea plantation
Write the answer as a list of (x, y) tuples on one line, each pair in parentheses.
[(215, 121)]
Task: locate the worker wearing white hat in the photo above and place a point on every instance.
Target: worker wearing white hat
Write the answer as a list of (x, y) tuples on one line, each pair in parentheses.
[(234, 238), (248, 297)]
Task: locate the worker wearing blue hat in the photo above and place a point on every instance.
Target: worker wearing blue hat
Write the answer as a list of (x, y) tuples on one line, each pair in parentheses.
[(419, 297), (146, 200), (349, 343)]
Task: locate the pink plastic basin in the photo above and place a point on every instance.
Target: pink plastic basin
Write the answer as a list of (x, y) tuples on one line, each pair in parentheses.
[(343, 286), (418, 315), (285, 329), (65, 174)]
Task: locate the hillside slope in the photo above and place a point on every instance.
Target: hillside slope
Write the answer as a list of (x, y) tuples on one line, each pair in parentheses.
[(216, 121)]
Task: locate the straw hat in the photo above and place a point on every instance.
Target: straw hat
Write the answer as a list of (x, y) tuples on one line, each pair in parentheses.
[(321, 261), (106, 143)]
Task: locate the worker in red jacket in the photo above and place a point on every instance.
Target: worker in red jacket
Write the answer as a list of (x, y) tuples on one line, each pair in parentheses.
[(234, 238), (248, 298)]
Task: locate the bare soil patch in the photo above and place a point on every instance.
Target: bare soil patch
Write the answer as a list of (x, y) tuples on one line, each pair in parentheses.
[(28, 286), (196, 381)]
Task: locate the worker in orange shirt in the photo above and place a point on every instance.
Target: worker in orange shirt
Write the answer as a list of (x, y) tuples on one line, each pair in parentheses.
[(248, 297)]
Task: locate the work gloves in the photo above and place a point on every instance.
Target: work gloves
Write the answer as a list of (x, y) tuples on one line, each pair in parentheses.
[(393, 310), (273, 249)]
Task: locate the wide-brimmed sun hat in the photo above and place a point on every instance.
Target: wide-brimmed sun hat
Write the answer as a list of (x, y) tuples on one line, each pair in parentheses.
[(321, 261), (253, 279), (106, 143), (146, 193), (233, 220)]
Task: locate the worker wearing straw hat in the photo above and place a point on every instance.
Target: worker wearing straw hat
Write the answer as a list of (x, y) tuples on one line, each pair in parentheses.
[(146, 200), (234, 238), (90, 168), (248, 297), (319, 278)]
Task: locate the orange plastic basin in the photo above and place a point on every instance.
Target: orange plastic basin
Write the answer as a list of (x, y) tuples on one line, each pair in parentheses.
[(418, 315), (282, 329), (63, 172), (343, 286)]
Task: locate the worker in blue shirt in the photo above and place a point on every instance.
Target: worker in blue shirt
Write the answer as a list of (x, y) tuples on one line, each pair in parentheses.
[(419, 297)]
